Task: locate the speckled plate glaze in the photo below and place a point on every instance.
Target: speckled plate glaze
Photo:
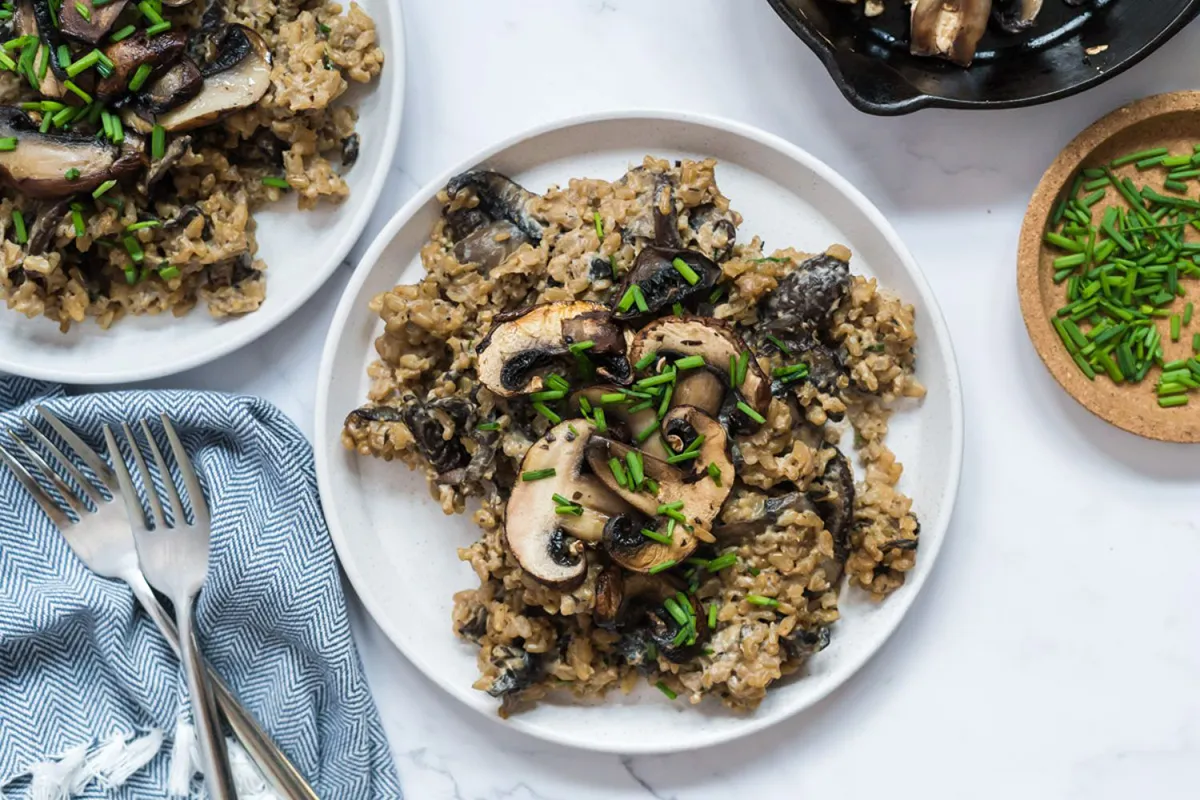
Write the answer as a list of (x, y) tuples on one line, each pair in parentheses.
[(399, 550), (301, 249), (1166, 120)]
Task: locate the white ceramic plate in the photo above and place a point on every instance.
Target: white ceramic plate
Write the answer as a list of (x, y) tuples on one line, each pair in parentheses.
[(399, 549), (301, 249)]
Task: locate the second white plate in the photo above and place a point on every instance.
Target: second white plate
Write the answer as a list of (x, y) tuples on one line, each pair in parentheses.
[(399, 550)]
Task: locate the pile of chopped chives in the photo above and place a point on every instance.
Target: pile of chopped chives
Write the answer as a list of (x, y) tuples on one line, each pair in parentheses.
[(1124, 265)]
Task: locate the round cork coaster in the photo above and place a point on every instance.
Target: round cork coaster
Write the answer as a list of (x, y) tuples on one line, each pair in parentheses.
[(1168, 120)]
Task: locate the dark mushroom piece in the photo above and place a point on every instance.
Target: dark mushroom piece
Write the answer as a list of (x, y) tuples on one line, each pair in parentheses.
[(772, 509), (178, 85), (521, 346), (160, 52), (1015, 16), (802, 644), (517, 669), (237, 78), (808, 295), (715, 230), (662, 283), (717, 343), (826, 369), (97, 23), (633, 604), (500, 198), (41, 234), (474, 627), (427, 429), (174, 151), (834, 499), (350, 147), (29, 19), (547, 544), (39, 166), (489, 245), (950, 29), (625, 543)]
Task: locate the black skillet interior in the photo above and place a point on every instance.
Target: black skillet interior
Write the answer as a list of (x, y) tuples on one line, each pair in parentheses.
[(869, 60)]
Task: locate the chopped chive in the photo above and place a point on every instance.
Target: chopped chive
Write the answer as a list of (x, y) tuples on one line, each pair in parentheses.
[(8, 144), (83, 10), (102, 188), (652, 487), (665, 404), (782, 347), (634, 460), (149, 11), (1173, 401), (759, 600), (141, 226), (714, 472), (612, 397), (722, 562), (1196, 342), (19, 227), (656, 536), (1153, 161), (677, 309), (161, 27), (75, 90), (64, 56), (139, 77), (596, 218), (539, 474), (77, 219), (1175, 327), (750, 412), (675, 609), (662, 687), (665, 565), (715, 295), (167, 273), (1132, 157), (646, 434), (547, 413), (645, 360), (681, 457), (549, 394), (86, 62), (639, 299), (488, 426), (123, 33), (656, 380), (1188, 310), (686, 271), (712, 615), (672, 506), (158, 142), (626, 300), (691, 362), (134, 248), (743, 366), (618, 471), (580, 347), (278, 183)]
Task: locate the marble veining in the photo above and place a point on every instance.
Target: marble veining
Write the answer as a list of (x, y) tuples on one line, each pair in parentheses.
[(1055, 649)]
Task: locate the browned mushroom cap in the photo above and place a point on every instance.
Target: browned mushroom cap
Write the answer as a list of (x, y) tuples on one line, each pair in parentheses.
[(98, 22), (950, 29), (713, 340), (178, 85), (546, 543), (618, 595), (236, 79), (700, 389), (38, 165), (703, 494), (160, 52), (518, 348), (635, 551)]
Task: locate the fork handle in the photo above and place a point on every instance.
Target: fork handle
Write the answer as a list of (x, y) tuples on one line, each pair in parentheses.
[(218, 777), (270, 760)]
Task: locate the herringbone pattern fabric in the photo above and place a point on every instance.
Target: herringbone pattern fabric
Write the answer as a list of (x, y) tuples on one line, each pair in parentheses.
[(79, 662)]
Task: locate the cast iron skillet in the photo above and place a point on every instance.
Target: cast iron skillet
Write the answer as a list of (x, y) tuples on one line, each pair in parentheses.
[(869, 60)]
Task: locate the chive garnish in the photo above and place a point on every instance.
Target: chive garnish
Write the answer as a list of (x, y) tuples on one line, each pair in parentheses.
[(634, 460), (662, 687), (626, 300), (141, 226), (139, 77), (645, 360), (83, 10), (665, 565), (782, 347), (278, 183), (167, 273), (646, 433), (750, 412), (657, 380), (618, 471), (19, 227), (102, 188), (539, 474), (656, 536), (672, 506), (598, 419), (714, 472), (549, 394), (123, 33), (639, 299), (133, 248), (547, 413), (75, 90), (77, 220), (580, 347), (8, 144), (599, 221), (759, 600), (722, 562), (488, 426), (743, 366), (158, 142), (613, 397), (712, 615), (691, 362), (652, 487), (686, 271)]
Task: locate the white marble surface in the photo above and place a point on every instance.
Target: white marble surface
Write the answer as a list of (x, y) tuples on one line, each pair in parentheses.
[(1056, 650)]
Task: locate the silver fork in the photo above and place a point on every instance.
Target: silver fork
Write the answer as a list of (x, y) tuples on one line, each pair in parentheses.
[(174, 559), (103, 541)]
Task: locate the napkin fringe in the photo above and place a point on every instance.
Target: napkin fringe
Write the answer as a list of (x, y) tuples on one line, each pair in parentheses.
[(110, 764), (185, 764)]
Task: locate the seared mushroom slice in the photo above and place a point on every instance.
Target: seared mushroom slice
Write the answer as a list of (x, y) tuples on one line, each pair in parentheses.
[(38, 167), (772, 509), (808, 295), (95, 25), (635, 551), (663, 283), (835, 504), (826, 369), (715, 230), (1015, 16), (489, 245), (701, 389), (501, 198), (635, 604), (622, 424), (547, 543), (517, 347), (127, 55), (716, 342), (950, 29), (700, 495), (236, 79), (26, 20), (174, 151)]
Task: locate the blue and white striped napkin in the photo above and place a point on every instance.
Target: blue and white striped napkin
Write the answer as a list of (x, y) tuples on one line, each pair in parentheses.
[(91, 699)]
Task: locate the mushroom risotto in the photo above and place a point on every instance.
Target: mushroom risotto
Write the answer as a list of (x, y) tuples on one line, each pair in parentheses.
[(136, 139), (648, 411)]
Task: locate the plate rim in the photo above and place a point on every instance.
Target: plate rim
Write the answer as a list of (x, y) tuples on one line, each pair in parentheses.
[(370, 193), (370, 259)]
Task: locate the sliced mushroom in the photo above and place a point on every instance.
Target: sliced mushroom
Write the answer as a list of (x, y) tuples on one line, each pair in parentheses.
[(500, 198), (628, 546), (490, 245), (717, 343), (621, 598), (25, 24), (161, 52), (237, 79), (701, 389), (826, 369), (662, 284), (512, 354), (704, 495), (427, 424), (97, 23), (1015, 16), (950, 29), (547, 543), (772, 509), (174, 151), (715, 230), (36, 18), (41, 234), (622, 424), (39, 165), (835, 504), (802, 643), (516, 670), (808, 295)]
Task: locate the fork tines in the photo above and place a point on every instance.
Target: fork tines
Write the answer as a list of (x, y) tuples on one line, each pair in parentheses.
[(191, 482)]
